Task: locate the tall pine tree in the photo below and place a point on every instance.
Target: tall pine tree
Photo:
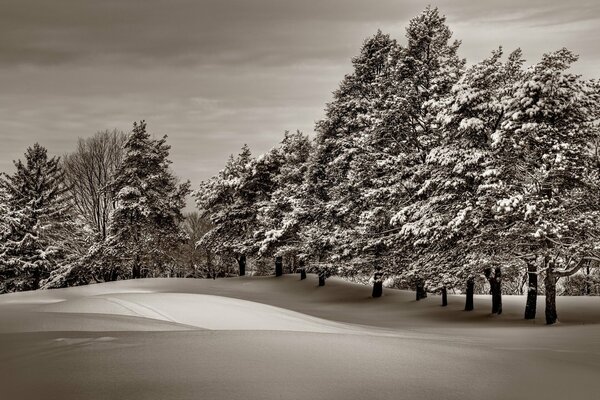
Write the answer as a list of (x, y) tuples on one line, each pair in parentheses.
[(34, 241), (146, 222)]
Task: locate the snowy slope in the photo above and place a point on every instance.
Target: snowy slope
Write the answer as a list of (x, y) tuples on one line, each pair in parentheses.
[(272, 338)]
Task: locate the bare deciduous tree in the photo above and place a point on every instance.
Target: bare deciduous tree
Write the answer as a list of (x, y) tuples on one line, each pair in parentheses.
[(88, 170)]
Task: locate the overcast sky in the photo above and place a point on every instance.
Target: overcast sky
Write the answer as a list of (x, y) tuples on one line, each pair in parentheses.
[(215, 74)]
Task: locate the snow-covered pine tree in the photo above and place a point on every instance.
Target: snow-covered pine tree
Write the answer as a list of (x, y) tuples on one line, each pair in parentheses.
[(331, 195), (452, 212), (281, 215), (34, 241), (552, 196), (231, 201), (146, 222), (393, 166)]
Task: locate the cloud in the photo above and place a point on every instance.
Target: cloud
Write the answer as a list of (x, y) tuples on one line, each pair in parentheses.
[(215, 74), (188, 32)]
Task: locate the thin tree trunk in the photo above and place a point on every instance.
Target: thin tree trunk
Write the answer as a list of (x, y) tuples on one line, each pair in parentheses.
[(497, 293), (532, 291), (377, 283), (278, 266), (302, 270), (550, 284), (136, 271), (242, 264), (444, 297), (470, 291), (321, 278), (114, 274), (421, 293)]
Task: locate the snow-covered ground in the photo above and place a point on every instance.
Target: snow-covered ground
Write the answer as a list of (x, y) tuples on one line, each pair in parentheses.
[(281, 338)]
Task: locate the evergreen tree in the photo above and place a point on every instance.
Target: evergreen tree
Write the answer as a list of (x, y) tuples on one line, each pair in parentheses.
[(391, 168), (35, 240), (551, 192), (228, 202), (331, 196), (146, 222), (451, 220), (281, 215)]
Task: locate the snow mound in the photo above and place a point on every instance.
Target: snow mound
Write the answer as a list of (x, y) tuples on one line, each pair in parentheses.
[(195, 311)]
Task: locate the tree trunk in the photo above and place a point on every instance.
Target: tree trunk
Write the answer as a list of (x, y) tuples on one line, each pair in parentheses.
[(136, 270), (114, 274), (444, 297), (302, 270), (242, 264), (321, 278), (550, 284), (278, 266), (470, 291), (421, 293), (532, 289), (497, 292), (377, 284), (495, 282)]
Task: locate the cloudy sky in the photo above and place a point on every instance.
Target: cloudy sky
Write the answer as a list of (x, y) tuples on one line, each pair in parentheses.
[(215, 74)]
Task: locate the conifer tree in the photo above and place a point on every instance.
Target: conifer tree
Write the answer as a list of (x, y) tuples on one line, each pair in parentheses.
[(146, 222), (391, 167), (551, 192), (226, 200), (331, 195), (34, 241), (281, 214)]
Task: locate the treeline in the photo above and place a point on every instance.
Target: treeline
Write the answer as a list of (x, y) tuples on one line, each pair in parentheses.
[(429, 173), (110, 210)]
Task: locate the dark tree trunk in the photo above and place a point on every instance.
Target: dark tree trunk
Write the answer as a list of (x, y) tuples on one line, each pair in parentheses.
[(136, 272), (302, 270), (444, 297), (532, 290), (421, 293), (497, 292), (550, 284), (321, 278), (114, 274), (470, 291), (242, 264), (278, 266), (36, 277), (495, 282), (377, 284)]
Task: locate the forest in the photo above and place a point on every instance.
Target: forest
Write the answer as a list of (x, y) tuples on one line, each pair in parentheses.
[(427, 172)]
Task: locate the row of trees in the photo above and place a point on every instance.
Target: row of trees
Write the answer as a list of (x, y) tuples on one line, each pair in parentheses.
[(112, 209), (428, 172)]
